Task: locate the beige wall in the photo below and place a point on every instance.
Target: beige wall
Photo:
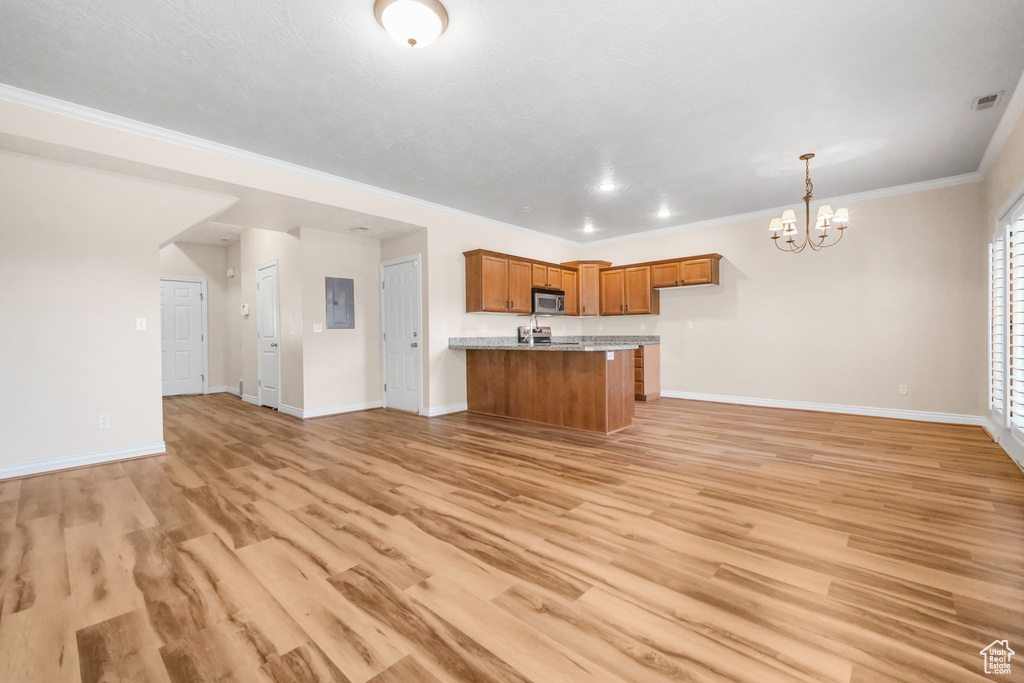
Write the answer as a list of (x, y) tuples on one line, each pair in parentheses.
[(233, 317), (342, 368), (208, 262), (263, 246), (1003, 184), (79, 262), (412, 245), (894, 304)]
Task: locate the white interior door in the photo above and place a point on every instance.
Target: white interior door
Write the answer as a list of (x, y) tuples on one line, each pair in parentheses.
[(268, 333), (181, 337), (401, 305)]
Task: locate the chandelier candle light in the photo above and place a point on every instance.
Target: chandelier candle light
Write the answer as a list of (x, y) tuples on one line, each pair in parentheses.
[(827, 219)]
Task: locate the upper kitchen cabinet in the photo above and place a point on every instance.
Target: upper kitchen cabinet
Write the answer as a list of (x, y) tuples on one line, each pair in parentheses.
[(520, 287), (628, 291), (547, 277), (695, 270), (572, 292), (500, 283), (588, 286)]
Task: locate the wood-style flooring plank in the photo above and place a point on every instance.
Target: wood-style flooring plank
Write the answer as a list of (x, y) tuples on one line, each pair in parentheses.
[(708, 542)]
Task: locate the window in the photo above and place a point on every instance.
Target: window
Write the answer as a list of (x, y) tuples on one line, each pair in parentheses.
[(997, 329), (1006, 322), (1015, 318)]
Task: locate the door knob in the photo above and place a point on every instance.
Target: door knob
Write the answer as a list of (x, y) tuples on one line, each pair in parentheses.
[(414, 344)]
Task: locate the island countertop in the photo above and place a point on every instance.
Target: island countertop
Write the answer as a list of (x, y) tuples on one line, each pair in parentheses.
[(567, 343)]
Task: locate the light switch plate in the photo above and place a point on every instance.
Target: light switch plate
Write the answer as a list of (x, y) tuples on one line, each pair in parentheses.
[(103, 422), (317, 327), (610, 355), (690, 324), (245, 309), (140, 324)]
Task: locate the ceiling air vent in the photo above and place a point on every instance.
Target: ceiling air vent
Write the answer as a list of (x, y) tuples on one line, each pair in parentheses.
[(987, 101), (361, 228)]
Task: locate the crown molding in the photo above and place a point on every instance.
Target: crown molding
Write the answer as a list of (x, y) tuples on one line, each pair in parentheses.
[(1010, 115), (35, 100), (910, 188), (27, 98)]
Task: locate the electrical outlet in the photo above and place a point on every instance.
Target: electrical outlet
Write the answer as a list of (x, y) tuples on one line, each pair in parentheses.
[(317, 327), (104, 422), (690, 325), (140, 324), (643, 327), (903, 390)]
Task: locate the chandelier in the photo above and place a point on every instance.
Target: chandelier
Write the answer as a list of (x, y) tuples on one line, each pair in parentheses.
[(785, 226)]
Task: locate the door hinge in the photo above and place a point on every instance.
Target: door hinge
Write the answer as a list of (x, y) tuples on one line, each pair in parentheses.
[(200, 296), (202, 337), (385, 387), (383, 285), (385, 336), (202, 378)]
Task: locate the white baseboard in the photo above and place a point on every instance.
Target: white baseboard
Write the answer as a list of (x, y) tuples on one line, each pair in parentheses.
[(289, 410), (23, 469), (446, 410), (895, 413), (324, 412), (222, 390), (251, 399)]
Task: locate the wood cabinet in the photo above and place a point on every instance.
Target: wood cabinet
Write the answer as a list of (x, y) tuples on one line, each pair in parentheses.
[(697, 270), (628, 291), (613, 292), (647, 373), (572, 292), (547, 277), (499, 283), (520, 290), (588, 285)]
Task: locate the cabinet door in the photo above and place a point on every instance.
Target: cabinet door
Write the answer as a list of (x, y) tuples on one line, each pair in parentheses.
[(638, 290), (696, 272), (590, 289), (612, 292), (495, 283), (572, 294), (519, 287), (665, 275), (554, 278), (540, 276)]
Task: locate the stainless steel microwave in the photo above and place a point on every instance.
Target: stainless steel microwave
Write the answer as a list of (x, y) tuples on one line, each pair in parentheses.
[(548, 302)]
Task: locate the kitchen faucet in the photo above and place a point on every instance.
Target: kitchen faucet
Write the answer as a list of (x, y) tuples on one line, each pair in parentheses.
[(533, 326)]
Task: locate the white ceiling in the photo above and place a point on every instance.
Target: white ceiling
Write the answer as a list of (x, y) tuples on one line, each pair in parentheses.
[(700, 105)]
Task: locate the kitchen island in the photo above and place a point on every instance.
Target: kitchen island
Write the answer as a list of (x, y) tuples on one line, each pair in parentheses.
[(584, 383)]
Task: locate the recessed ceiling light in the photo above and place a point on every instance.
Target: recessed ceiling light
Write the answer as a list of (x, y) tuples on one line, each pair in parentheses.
[(664, 212), (607, 187), (588, 228), (412, 23), (525, 209)]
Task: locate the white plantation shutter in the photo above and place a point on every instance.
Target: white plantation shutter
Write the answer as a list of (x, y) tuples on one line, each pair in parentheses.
[(997, 325), (1015, 320)]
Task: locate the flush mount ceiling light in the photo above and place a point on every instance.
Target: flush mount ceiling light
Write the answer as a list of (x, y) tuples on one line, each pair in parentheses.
[(589, 227), (664, 212), (827, 219), (525, 209), (607, 187), (412, 23)]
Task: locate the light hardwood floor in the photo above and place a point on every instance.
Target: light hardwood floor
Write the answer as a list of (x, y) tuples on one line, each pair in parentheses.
[(706, 543)]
